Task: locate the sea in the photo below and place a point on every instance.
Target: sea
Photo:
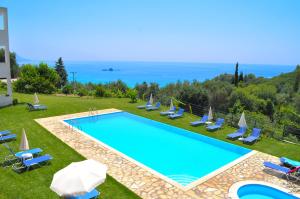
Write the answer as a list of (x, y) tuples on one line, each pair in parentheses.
[(160, 72)]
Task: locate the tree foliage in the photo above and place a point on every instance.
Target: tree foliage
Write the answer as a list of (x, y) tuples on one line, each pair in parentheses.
[(61, 71), (40, 79)]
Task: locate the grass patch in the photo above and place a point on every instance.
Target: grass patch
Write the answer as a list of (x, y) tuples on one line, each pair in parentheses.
[(37, 182)]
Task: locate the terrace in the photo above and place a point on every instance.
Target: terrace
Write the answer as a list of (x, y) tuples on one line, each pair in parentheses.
[(45, 129)]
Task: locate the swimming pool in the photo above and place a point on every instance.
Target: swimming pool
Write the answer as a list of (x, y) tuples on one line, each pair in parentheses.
[(178, 154), (259, 190)]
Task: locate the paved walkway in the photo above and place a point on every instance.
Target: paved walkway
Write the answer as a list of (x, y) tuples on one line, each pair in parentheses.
[(150, 186)]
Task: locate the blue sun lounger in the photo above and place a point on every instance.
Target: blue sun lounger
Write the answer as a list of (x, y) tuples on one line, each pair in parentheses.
[(216, 126), (145, 106), (284, 170), (8, 137), (32, 151), (27, 164), (92, 194), (5, 132), (203, 120), (169, 112), (152, 108), (178, 114), (289, 162), (239, 133), (253, 137), (36, 107)]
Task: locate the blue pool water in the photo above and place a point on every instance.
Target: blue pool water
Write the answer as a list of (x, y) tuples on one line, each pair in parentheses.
[(257, 191), (181, 155)]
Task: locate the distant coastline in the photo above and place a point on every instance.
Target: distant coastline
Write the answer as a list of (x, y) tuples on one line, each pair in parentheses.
[(160, 72)]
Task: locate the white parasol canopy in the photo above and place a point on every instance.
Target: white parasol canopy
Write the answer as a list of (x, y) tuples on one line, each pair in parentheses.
[(171, 105), (242, 122), (78, 178), (36, 99), (24, 142), (210, 114), (151, 99)]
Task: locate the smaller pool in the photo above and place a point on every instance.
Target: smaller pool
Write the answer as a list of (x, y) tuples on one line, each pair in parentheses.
[(259, 190)]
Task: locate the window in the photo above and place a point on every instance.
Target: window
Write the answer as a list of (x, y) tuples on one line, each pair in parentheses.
[(1, 21), (2, 54)]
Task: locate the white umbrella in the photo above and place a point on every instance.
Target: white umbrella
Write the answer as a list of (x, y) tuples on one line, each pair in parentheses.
[(242, 122), (210, 114), (151, 99), (24, 142), (171, 105), (36, 99), (78, 178)]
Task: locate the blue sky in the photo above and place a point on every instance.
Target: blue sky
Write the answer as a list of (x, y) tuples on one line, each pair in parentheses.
[(248, 31)]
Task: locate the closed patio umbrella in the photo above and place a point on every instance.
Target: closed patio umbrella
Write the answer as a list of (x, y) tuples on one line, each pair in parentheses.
[(24, 145), (210, 114), (78, 178), (171, 105), (242, 122), (36, 99), (151, 99)]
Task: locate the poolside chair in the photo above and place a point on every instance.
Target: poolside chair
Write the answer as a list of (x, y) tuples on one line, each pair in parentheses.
[(216, 126), (152, 108), (288, 173), (253, 137), (92, 194), (36, 107), (169, 112), (17, 157), (27, 164), (5, 132), (239, 133), (201, 121), (144, 106), (178, 114), (288, 162), (7, 138)]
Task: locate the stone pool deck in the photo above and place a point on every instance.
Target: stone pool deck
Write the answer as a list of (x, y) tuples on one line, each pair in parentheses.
[(151, 186)]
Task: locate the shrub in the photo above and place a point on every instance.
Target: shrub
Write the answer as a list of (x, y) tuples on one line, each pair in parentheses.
[(132, 94), (15, 101), (100, 91), (82, 92), (67, 89), (40, 79)]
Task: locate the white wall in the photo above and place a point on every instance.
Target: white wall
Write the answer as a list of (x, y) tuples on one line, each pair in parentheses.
[(5, 67)]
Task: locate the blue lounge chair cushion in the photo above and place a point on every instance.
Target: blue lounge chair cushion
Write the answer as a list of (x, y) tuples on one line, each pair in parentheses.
[(5, 132), (254, 135), (144, 106), (217, 125), (36, 107), (38, 160), (32, 151), (203, 120), (277, 167), (169, 112), (178, 114), (290, 162), (238, 133), (8, 137), (92, 194), (153, 107)]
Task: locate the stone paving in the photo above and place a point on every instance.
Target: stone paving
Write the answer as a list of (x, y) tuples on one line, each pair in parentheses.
[(150, 186)]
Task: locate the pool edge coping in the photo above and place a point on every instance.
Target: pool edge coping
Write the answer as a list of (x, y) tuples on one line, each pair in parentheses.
[(233, 190), (152, 171)]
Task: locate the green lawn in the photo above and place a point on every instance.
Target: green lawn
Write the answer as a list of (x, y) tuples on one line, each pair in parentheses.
[(37, 182)]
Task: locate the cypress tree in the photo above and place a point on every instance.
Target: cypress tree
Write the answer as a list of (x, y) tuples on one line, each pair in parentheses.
[(61, 71), (297, 79), (236, 75)]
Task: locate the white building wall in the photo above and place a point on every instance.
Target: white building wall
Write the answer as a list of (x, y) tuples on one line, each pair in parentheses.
[(5, 67)]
